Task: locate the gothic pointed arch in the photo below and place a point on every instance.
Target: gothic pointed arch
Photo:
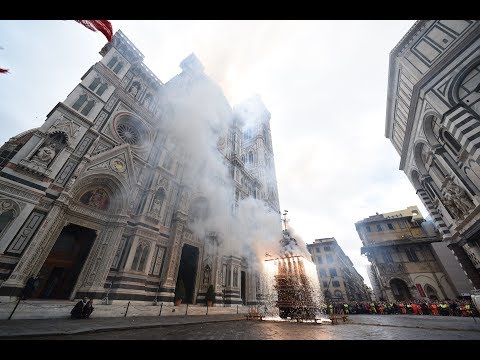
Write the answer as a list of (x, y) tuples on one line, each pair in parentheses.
[(431, 292), (158, 201), (400, 290), (109, 194), (141, 255)]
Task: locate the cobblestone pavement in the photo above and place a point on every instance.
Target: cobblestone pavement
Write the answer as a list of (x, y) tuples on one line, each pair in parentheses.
[(358, 327)]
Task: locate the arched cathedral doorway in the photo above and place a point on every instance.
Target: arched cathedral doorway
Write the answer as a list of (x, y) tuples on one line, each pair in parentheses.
[(62, 267), (188, 271)]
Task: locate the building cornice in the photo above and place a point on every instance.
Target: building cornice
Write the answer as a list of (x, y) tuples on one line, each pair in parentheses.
[(437, 68), (393, 69), (406, 241)]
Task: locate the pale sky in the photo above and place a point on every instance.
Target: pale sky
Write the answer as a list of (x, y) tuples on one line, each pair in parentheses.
[(323, 81)]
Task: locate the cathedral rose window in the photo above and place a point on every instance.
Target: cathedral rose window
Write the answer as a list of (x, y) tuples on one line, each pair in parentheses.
[(128, 134), (131, 130)]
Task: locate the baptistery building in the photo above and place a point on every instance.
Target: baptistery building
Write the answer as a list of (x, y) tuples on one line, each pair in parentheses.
[(433, 122)]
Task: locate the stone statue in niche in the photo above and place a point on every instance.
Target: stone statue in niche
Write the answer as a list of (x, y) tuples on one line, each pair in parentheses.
[(157, 205), (134, 89), (450, 205), (45, 154), (457, 200), (206, 274), (147, 101)]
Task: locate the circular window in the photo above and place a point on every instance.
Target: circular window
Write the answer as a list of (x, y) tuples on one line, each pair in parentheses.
[(128, 133), (131, 130)]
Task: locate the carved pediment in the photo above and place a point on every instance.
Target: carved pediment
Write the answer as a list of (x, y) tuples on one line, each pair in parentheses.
[(101, 147), (67, 126), (117, 161)]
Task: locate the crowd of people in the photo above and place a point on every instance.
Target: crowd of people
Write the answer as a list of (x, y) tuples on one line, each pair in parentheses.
[(436, 308)]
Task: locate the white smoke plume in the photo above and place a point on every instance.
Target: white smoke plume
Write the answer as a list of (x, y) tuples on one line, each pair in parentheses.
[(199, 116)]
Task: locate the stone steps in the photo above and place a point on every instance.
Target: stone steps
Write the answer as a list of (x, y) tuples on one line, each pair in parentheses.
[(44, 309)]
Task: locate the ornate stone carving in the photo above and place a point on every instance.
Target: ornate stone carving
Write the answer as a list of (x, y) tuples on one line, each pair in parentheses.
[(146, 233), (66, 171), (174, 251), (13, 190), (83, 145), (68, 127), (456, 199), (158, 261), (44, 155), (183, 206), (143, 243), (25, 234), (45, 204), (118, 165), (9, 204), (35, 167), (89, 212), (207, 271), (163, 182), (40, 246), (101, 147), (70, 183)]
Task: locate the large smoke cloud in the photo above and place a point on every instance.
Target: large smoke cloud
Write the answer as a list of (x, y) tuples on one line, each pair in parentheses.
[(199, 116)]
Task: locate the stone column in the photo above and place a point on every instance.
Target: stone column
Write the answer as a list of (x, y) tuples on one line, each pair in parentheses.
[(97, 266), (175, 250), (39, 248)]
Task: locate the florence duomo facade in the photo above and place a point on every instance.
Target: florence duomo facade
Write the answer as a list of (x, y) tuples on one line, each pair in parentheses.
[(131, 184)]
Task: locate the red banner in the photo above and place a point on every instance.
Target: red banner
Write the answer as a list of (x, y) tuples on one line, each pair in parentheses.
[(104, 26), (420, 290)]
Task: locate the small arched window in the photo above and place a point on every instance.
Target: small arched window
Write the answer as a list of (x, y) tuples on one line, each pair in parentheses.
[(431, 292), (80, 101), (102, 89), (250, 157), (94, 83), (118, 68), (88, 107), (140, 258), (112, 62)]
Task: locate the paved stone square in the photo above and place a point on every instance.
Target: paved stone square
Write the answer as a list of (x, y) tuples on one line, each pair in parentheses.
[(358, 327)]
